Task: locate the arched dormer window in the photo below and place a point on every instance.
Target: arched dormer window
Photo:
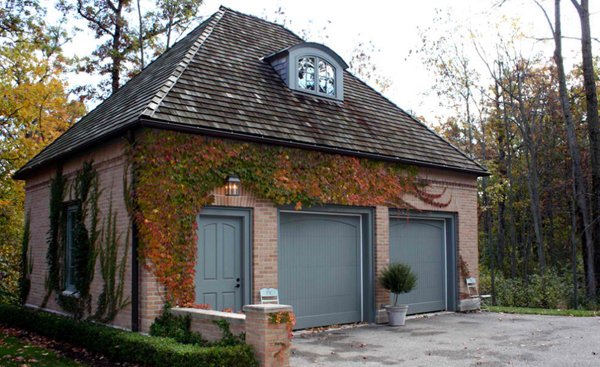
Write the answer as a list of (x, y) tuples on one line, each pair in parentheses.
[(316, 74), (311, 68)]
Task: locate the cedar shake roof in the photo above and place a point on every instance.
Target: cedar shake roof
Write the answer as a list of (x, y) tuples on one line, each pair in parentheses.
[(215, 81)]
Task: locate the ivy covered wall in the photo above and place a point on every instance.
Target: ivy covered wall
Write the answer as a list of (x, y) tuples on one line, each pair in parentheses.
[(175, 174)]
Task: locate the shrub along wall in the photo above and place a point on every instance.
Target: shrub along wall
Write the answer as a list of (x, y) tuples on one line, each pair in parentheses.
[(175, 174), (125, 346)]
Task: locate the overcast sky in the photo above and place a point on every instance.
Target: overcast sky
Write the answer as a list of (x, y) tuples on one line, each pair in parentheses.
[(393, 27)]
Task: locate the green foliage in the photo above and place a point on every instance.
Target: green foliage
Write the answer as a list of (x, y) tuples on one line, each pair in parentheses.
[(26, 263), (124, 346), (111, 300), (397, 278), (543, 291), (35, 108), (176, 174), (84, 240), (228, 338), (53, 238), (176, 327)]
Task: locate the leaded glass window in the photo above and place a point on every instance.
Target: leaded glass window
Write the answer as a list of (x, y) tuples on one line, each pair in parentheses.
[(326, 78), (306, 73), (316, 75)]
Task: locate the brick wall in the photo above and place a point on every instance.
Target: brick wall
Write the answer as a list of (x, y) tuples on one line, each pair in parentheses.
[(460, 191), (110, 165), (203, 322)]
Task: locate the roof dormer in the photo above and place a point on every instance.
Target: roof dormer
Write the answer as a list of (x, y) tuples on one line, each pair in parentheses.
[(311, 68)]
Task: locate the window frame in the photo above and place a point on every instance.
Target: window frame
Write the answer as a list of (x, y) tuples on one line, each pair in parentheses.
[(319, 52), (316, 90), (317, 58)]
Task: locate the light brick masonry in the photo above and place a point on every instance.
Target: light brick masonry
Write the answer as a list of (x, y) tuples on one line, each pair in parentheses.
[(459, 190)]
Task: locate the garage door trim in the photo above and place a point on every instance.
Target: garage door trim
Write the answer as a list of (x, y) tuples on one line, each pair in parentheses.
[(366, 233), (450, 249)]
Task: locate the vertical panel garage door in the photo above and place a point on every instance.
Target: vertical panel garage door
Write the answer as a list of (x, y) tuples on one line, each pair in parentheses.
[(319, 265), (421, 244)]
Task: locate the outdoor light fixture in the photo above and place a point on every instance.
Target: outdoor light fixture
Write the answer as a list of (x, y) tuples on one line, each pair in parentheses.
[(232, 185)]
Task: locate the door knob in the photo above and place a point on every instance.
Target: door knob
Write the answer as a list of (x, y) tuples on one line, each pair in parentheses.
[(237, 285)]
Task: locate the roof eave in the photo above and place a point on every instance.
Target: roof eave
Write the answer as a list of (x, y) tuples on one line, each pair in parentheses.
[(28, 170)]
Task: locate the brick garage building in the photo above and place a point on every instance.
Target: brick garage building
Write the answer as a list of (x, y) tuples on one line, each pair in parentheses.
[(247, 81)]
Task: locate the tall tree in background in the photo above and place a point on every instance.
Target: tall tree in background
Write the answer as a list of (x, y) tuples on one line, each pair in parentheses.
[(593, 121), (159, 28), (107, 18), (578, 176), (124, 50), (528, 139), (34, 109)]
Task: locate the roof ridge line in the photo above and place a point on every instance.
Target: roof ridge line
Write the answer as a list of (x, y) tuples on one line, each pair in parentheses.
[(258, 18), (183, 64)]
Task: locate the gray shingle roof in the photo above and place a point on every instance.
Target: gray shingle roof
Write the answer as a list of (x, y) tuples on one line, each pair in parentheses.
[(215, 81)]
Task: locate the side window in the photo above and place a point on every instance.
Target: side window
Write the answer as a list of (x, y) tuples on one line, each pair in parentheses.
[(69, 256)]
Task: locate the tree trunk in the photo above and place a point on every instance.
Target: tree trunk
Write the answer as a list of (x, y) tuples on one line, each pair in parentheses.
[(593, 123), (141, 35), (574, 244), (534, 193), (117, 56), (580, 188), (502, 170)]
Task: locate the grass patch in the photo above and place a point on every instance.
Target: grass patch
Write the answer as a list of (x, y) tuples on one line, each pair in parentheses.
[(15, 353), (543, 311)]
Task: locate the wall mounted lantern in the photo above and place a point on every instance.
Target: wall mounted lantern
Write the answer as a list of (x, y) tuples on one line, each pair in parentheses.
[(232, 185)]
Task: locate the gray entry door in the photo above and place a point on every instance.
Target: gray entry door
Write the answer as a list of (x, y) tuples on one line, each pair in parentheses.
[(319, 265), (420, 243), (219, 264)]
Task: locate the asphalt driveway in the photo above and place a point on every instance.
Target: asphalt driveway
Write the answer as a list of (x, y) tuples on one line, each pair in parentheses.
[(475, 339)]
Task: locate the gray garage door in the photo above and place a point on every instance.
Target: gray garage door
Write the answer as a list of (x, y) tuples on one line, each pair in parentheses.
[(420, 243), (319, 268)]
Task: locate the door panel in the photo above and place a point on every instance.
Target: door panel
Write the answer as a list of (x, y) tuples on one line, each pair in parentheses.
[(319, 268), (420, 243), (218, 279)]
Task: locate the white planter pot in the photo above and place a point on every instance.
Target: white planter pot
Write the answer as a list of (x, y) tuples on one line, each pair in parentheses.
[(396, 314)]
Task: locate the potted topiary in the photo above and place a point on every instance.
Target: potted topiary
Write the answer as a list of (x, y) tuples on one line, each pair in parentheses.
[(397, 278)]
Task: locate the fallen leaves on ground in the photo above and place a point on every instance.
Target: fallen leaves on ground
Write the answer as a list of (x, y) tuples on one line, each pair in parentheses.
[(67, 350)]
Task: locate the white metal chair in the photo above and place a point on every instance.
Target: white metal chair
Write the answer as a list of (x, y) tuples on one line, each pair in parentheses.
[(474, 292), (269, 295)]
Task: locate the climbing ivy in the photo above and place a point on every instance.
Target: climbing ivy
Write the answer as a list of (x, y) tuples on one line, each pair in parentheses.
[(176, 173), (53, 238), (112, 270)]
